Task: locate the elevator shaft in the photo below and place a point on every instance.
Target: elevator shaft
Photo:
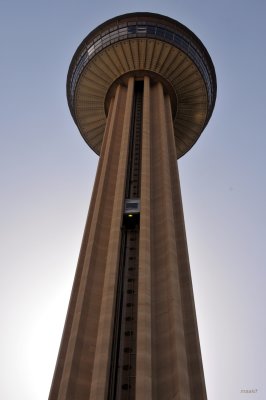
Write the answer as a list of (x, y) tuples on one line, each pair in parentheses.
[(123, 360)]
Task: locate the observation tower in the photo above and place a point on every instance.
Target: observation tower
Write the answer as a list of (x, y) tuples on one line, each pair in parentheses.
[(141, 88)]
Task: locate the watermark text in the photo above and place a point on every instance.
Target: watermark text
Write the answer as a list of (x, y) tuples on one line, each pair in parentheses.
[(249, 391)]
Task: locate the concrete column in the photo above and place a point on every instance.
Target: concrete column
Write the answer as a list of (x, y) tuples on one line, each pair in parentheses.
[(101, 367), (80, 354), (171, 362), (144, 367), (195, 368)]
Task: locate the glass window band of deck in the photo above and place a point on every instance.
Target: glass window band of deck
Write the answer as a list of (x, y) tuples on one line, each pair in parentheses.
[(140, 29)]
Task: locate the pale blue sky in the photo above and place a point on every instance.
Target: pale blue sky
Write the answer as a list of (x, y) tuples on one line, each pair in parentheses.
[(47, 172)]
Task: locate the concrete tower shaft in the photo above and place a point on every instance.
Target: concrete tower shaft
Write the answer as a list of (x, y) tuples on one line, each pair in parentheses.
[(161, 357), (141, 88)]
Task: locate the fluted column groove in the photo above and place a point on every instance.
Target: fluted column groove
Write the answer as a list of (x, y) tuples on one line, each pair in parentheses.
[(144, 367), (104, 340)]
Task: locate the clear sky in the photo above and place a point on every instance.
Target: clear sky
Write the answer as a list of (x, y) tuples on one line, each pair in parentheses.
[(47, 172)]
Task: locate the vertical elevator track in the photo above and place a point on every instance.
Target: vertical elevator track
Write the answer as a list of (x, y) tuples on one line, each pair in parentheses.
[(123, 358)]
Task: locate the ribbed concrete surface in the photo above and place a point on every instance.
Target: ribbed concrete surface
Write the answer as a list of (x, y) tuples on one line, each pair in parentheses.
[(169, 365), (149, 55), (89, 318)]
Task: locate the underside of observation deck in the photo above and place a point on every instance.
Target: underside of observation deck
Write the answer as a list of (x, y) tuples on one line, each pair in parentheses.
[(139, 44)]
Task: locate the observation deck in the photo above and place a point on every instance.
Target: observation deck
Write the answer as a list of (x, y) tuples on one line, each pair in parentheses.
[(140, 44)]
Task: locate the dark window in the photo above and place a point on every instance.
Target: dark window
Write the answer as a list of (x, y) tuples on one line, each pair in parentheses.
[(125, 386), (128, 349), (131, 205), (131, 30), (151, 30), (160, 32), (169, 35), (126, 367)]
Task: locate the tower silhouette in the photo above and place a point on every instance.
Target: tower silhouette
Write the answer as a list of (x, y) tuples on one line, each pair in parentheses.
[(141, 88)]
